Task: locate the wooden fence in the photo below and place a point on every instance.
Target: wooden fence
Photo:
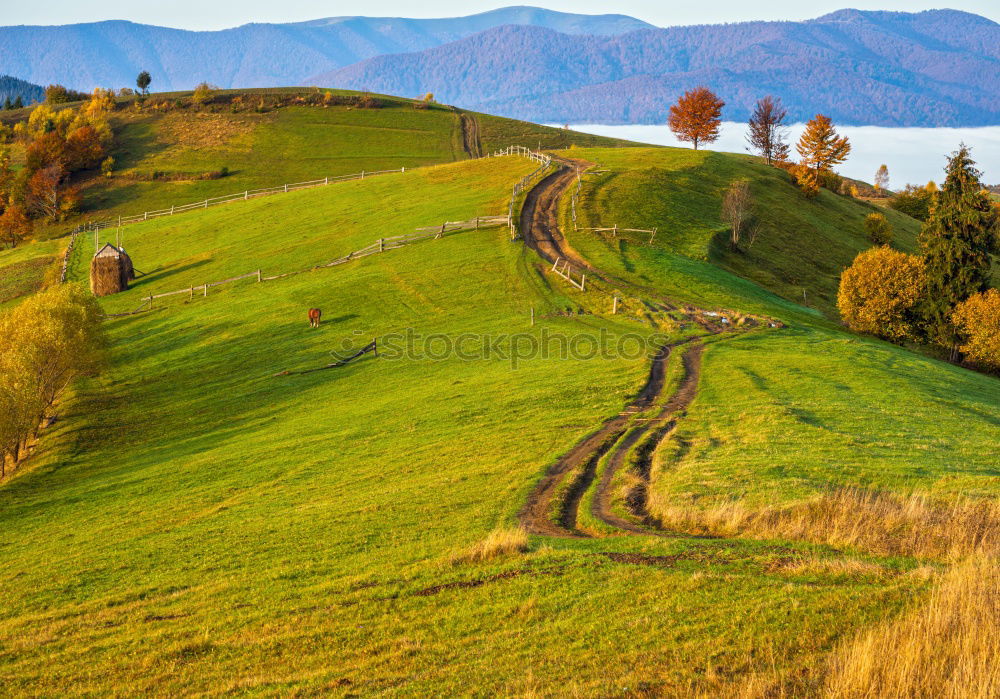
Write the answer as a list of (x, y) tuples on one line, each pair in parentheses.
[(379, 246), (237, 196), (615, 230), (544, 162), (565, 270)]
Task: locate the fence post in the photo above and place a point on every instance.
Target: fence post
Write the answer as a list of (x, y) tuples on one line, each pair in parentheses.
[(615, 233), (443, 225), (402, 169), (206, 290), (246, 195), (583, 282), (206, 204), (145, 215), (477, 223), (326, 180), (191, 296), (362, 174), (556, 264), (652, 236), (171, 213), (614, 306), (532, 316), (286, 188), (258, 276), (381, 244)]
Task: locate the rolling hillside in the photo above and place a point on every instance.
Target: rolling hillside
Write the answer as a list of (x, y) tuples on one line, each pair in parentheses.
[(174, 156), (198, 520)]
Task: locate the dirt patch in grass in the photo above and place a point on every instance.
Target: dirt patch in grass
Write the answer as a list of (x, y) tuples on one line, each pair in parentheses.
[(23, 278), (470, 584), (206, 130)]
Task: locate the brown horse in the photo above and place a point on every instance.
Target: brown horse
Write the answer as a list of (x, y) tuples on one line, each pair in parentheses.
[(314, 315)]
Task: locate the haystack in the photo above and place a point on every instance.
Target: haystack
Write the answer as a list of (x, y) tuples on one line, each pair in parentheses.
[(110, 271)]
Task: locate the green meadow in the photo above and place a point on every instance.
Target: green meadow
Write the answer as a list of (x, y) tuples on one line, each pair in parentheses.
[(197, 522)]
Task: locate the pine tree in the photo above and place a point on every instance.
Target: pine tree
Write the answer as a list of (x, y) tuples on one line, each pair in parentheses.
[(18, 102), (957, 241), (7, 104)]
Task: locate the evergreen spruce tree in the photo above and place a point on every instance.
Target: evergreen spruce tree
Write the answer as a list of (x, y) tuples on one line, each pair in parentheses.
[(957, 241), (7, 104), (18, 103)]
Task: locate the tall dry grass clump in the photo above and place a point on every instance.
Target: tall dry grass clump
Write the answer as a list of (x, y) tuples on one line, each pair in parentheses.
[(879, 523), (948, 648), (498, 543)]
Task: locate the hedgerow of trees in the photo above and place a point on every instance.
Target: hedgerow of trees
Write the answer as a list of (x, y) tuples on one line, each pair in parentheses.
[(954, 308), (46, 343), (57, 143)]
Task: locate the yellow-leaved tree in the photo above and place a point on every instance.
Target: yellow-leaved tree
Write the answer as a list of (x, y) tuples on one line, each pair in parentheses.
[(821, 148), (47, 342), (978, 322), (879, 293)]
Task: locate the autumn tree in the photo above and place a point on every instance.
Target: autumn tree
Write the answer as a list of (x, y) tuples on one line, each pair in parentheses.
[(767, 132), (915, 201), (821, 148), (882, 180), (696, 118), (957, 241), (977, 320), (738, 213), (878, 229), (49, 196), (880, 292), (46, 343), (15, 225), (143, 81), (203, 93)]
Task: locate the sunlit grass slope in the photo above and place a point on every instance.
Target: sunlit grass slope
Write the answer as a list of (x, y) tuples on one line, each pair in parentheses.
[(803, 245), (195, 524), (787, 415)]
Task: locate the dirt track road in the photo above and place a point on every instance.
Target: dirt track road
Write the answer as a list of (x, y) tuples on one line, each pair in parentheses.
[(553, 505)]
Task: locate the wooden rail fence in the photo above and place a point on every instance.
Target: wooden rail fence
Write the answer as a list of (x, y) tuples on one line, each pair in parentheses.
[(236, 196), (379, 246)]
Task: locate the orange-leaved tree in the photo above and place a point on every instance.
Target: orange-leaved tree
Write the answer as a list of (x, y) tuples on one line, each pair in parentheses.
[(821, 148), (880, 291), (978, 322), (696, 117)]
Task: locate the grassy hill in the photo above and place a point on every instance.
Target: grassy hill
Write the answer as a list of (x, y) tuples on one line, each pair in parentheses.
[(170, 152), (195, 523)]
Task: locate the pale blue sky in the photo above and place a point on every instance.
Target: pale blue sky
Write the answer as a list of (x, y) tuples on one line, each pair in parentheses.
[(212, 14)]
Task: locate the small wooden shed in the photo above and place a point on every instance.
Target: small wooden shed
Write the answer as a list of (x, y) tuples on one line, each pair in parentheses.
[(110, 271)]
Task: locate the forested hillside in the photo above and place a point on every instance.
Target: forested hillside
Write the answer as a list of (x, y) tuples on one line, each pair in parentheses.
[(11, 88), (111, 54), (934, 68)]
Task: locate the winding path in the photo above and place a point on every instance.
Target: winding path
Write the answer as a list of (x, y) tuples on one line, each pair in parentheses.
[(552, 508)]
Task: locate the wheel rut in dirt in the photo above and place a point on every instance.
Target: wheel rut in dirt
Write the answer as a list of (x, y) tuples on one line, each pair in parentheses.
[(471, 142), (546, 513), (552, 508)]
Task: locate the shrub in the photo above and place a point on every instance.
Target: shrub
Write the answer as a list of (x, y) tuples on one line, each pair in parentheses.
[(978, 322), (878, 229), (880, 291), (914, 201), (203, 93)]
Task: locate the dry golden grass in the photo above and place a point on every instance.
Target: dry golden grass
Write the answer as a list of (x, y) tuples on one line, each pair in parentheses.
[(498, 543), (947, 648), (879, 523)]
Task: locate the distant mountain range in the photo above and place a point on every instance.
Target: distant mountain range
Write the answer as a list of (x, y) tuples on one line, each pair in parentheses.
[(13, 88), (111, 54), (933, 68)]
